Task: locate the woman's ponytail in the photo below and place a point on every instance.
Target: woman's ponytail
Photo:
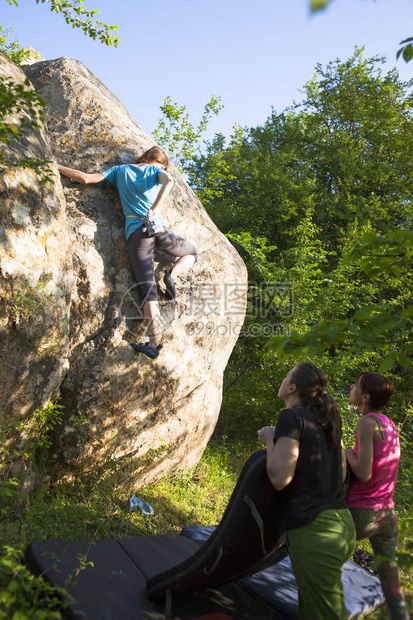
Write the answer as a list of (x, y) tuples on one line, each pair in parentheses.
[(311, 385)]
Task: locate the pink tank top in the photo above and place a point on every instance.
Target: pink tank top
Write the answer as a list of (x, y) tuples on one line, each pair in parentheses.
[(378, 491)]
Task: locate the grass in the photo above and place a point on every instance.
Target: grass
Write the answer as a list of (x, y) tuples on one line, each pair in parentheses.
[(79, 509)]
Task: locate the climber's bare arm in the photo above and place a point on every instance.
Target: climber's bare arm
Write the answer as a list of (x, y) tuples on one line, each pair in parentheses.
[(167, 182), (80, 177)]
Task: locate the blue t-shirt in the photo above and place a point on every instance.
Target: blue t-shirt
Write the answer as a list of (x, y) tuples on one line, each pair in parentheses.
[(138, 188)]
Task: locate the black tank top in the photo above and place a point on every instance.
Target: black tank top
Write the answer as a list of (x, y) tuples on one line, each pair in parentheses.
[(318, 483)]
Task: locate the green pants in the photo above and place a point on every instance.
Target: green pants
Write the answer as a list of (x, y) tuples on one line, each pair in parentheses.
[(318, 552)]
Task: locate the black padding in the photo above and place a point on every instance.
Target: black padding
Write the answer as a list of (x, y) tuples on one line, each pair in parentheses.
[(198, 533), (113, 588), (250, 537), (155, 553), (277, 587)]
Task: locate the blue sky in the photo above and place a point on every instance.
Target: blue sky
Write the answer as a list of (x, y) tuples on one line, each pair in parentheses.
[(253, 55)]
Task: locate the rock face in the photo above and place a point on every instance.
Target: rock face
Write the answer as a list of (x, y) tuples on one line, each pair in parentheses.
[(64, 249), (36, 277)]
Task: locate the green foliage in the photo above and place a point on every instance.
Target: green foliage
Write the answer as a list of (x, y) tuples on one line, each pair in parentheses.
[(12, 49), (37, 430), (43, 422), (176, 134), (384, 325), (78, 16), (383, 255), (24, 304), (154, 453), (211, 174), (317, 5), (21, 110), (29, 301), (406, 51), (22, 595), (404, 490), (343, 153), (353, 117), (39, 166), (405, 553), (8, 490)]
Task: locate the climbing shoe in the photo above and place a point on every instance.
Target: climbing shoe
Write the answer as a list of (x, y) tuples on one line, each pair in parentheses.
[(145, 347), (170, 291)]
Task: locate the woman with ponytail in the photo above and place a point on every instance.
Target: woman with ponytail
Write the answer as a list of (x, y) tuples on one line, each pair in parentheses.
[(304, 452)]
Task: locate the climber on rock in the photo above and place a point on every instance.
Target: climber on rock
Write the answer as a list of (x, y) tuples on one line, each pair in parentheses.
[(143, 187)]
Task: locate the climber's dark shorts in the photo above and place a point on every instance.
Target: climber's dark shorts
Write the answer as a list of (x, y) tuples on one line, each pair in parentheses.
[(141, 253)]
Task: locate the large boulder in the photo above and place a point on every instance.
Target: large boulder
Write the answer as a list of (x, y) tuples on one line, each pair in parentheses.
[(35, 276), (119, 407)]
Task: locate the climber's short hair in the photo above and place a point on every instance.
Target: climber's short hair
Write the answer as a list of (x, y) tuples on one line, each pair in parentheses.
[(154, 154)]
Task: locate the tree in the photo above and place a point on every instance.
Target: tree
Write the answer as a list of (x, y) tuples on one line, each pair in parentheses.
[(211, 171), (357, 134), (344, 152)]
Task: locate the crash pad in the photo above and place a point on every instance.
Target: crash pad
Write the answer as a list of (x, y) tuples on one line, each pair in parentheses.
[(112, 586), (249, 538)]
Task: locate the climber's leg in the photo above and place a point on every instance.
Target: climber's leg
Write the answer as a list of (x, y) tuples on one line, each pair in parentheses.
[(176, 246), (141, 250), (153, 321)]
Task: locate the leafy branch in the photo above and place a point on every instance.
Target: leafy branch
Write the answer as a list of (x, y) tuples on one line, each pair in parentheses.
[(21, 109), (177, 134), (78, 16), (12, 49), (406, 51), (317, 5)]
